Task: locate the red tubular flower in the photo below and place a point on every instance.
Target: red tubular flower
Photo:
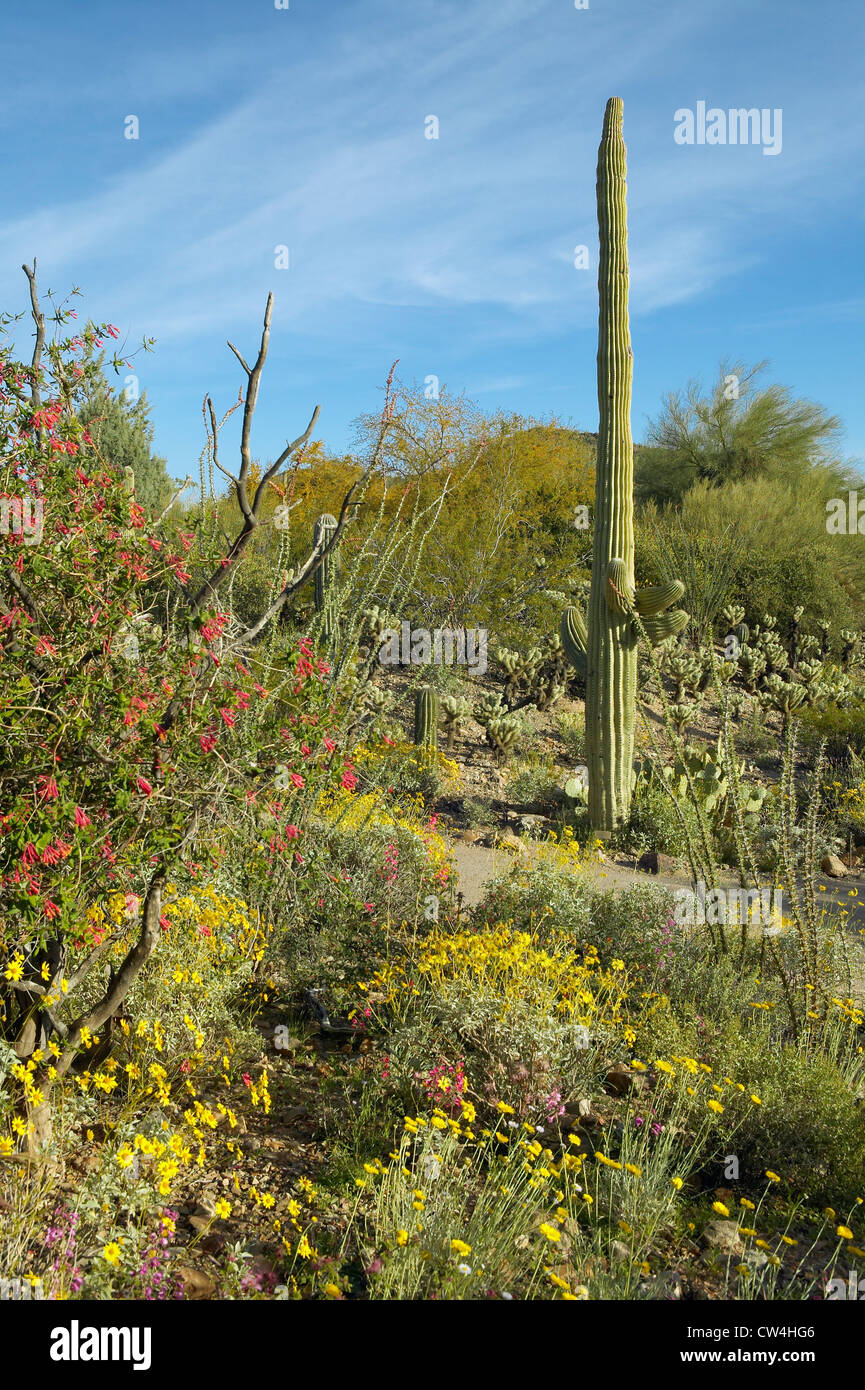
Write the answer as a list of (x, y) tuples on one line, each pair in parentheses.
[(143, 786)]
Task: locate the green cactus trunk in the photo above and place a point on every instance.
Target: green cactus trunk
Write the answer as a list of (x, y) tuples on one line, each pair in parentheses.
[(326, 575), (426, 715), (611, 664)]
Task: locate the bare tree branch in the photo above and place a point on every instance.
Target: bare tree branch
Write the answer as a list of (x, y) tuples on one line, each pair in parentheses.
[(39, 320), (121, 983), (188, 482), (249, 511), (316, 557)]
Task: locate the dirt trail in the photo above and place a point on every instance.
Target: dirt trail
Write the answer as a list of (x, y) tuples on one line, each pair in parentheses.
[(477, 864)]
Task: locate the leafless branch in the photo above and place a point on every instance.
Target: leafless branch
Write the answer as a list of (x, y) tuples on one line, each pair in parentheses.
[(249, 511), (39, 320), (316, 557), (121, 982), (188, 482)]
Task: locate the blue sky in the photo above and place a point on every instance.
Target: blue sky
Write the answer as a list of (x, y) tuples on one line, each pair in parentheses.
[(305, 127)]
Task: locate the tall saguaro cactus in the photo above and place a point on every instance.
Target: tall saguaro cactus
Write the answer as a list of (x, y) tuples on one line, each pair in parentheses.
[(604, 649), (611, 655)]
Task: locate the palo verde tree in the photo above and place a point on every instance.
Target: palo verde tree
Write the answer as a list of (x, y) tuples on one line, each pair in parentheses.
[(738, 431)]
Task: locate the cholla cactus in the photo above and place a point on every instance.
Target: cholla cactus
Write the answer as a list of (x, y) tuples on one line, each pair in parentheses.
[(793, 636), (686, 669), (502, 731), (752, 664), (454, 712), (825, 629), (849, 647), (684, 712), (733, 614), (502, 728), (783, 696), (373, 623), (487, 707), (519, 668), (375, 700)]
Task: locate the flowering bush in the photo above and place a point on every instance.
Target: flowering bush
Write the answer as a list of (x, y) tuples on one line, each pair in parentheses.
[(135, 726)]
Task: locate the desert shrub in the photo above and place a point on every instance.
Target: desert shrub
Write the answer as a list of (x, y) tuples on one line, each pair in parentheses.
[(536, 780), (494, 1012), (571, 729), (634, 924), (376, 862), (656, 824), (406, 771), (843, 729), (809, 1126)]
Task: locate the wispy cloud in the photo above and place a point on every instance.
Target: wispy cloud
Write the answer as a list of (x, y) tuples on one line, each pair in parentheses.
[(311, 135)]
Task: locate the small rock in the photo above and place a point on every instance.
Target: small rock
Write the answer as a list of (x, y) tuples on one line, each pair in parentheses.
[(667, 1285), (723, 1235), (755, 1259), (195, 1284), (531, 825), (832, 866), (511, 842), (619, 1078), (654, 863), (648, 863)]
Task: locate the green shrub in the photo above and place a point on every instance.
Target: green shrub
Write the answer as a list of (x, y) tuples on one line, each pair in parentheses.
[(633, 924), (656, 824), (809, 1127), (536, 780), (844, 730)]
